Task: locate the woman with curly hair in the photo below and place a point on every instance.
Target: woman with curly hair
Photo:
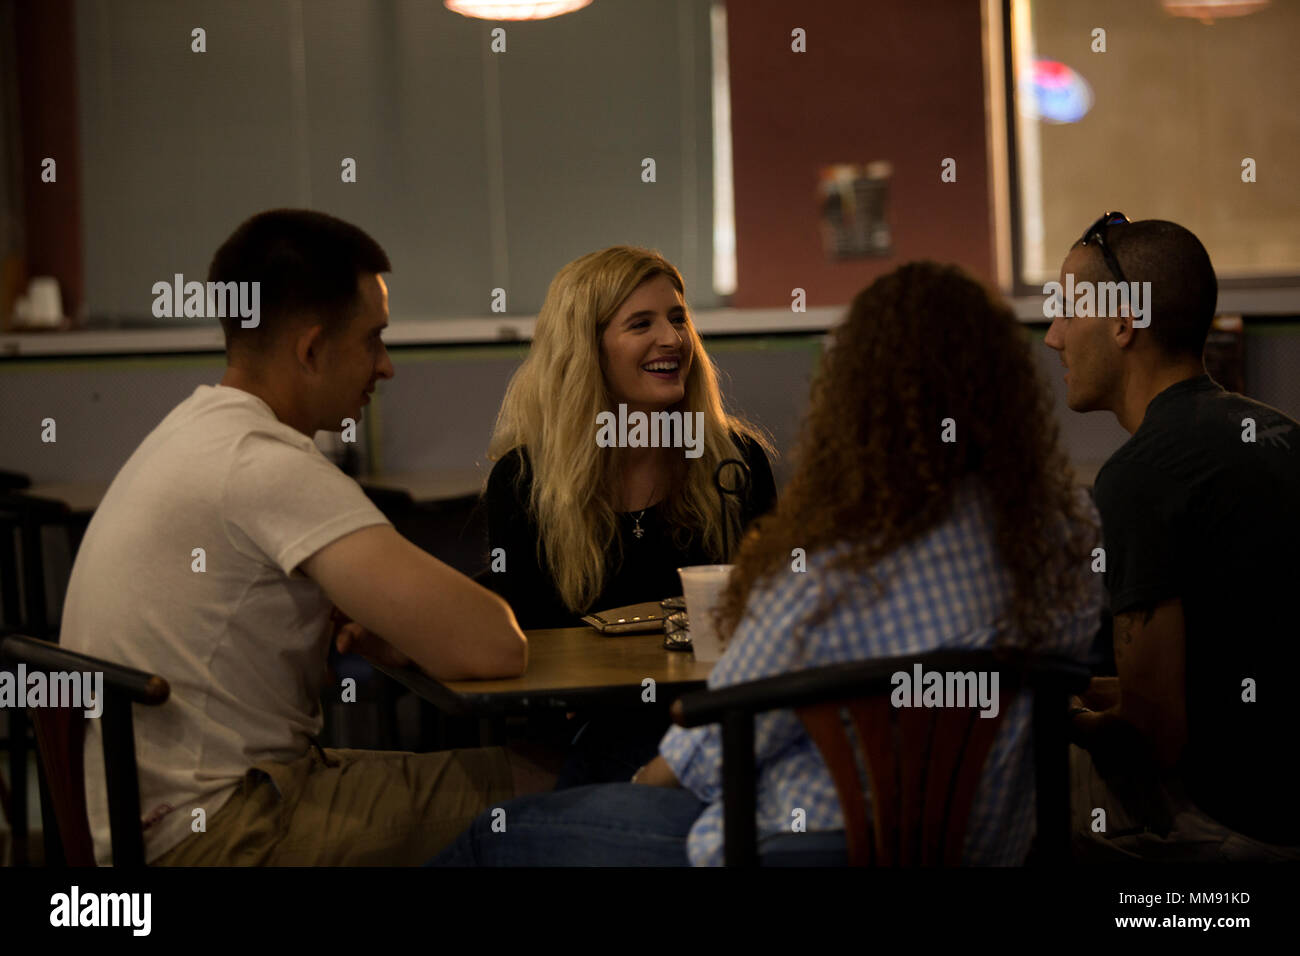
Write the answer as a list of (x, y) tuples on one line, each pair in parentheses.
[(936, 511)]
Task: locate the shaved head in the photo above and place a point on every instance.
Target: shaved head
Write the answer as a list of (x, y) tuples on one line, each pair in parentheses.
[(1184, 290)]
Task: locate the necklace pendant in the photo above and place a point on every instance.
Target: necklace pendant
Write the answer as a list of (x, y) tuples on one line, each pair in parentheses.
[(638, 530)]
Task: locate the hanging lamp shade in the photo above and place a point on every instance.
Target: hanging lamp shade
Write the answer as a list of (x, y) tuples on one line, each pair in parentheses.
[(514, 9), (1207, 11)]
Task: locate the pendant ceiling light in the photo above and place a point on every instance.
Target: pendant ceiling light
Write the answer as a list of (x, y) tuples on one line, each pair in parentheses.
[(514, 9), (1207, 11)]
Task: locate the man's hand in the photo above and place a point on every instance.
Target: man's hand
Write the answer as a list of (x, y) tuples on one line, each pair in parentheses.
[(351, 638), (451, 627), (1102, 694), (657, 773)]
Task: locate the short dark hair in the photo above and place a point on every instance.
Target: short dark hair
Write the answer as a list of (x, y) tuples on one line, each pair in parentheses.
[(1184, 289), (307, 262)]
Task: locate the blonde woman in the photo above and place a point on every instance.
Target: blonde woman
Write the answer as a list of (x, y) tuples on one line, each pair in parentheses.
[(584, 526), (587, 522)]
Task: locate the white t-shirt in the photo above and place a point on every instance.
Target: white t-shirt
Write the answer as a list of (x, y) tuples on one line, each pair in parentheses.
[(243, 643)]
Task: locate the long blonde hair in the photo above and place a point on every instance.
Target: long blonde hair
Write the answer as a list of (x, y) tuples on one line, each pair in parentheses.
[(551, 406)]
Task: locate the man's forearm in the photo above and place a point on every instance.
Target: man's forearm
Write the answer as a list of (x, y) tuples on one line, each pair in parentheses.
[(1150, 656)]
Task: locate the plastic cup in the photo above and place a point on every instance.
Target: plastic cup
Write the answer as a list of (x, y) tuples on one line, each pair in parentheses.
[(703, 584), (44, 301)]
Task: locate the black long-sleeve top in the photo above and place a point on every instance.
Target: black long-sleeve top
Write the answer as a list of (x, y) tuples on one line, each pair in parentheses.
[(648, 571)]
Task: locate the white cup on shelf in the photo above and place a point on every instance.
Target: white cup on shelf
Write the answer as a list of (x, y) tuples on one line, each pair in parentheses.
[(41, 307)]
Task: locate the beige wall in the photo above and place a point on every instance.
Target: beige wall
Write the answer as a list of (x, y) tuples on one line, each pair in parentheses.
[(1178, 106)]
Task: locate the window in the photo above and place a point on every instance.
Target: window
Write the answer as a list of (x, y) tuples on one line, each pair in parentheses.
[(475, 170), (1161, 125)]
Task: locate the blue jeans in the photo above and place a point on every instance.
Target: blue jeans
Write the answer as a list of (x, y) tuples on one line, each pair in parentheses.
[(611, 824)]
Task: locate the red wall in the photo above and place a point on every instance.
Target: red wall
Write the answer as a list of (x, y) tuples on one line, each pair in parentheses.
[(899, 81), (47, 105)]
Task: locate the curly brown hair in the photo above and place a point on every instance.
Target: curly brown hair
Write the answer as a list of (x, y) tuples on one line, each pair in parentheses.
[(920, 345)]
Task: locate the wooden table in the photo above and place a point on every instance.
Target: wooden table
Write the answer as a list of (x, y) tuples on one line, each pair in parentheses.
[(569, 668)]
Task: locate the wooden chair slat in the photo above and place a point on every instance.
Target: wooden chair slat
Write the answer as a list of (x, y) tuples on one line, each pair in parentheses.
[(949, 750), (873, 718), (61, 739), (825, 726), (979, 740), (918, 730)]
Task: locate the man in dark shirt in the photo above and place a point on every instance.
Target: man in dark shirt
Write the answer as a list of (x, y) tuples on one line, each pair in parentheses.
[(1201, 525)]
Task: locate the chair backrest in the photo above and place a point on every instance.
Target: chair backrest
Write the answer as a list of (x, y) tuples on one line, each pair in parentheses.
[(922, 769), (922, 764), (61, 735), (24, 559), (11, 608), (26, 608), (393, 502)]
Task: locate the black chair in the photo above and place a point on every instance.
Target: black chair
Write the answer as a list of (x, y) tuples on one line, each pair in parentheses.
[(922, 765), (24, 609), (60, 739), (394, 503), (28, 516), (13, 481), (14, 740)]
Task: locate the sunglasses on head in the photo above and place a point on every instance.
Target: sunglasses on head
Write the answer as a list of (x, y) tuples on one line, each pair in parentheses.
[(1097, 233)]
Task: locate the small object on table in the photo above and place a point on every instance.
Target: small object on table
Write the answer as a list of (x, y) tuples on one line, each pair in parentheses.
[(676, 626), (644, 618)]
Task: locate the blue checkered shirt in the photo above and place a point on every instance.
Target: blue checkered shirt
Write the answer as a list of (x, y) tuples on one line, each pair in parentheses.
[(945, 590)]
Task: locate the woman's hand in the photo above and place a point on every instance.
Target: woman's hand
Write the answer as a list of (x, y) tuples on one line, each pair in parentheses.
[(657, 773)]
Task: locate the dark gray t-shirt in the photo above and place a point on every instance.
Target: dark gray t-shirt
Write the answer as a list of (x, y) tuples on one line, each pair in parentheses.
[(1192, 509)]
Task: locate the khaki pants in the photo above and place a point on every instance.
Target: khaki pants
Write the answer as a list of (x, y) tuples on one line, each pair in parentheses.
[(349, 808), (1148, 817)]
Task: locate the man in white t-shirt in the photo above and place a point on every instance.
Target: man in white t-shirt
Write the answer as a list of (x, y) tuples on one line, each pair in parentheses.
[(214, 560)]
